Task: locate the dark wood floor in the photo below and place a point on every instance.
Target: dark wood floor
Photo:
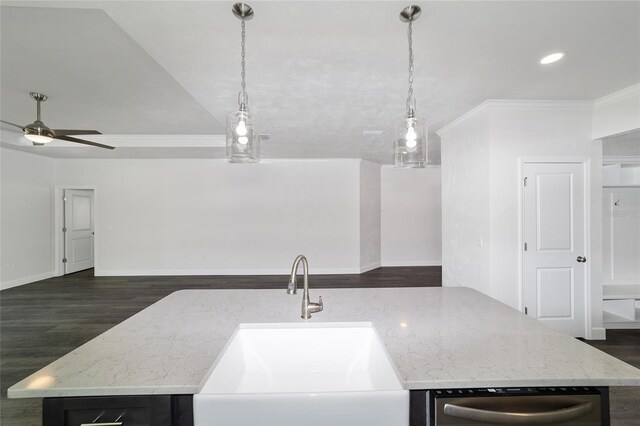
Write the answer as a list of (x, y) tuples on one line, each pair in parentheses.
[(43, 321), (625, 401)]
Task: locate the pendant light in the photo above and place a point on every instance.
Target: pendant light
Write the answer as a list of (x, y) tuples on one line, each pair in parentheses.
[(411, 133), (242, 139)]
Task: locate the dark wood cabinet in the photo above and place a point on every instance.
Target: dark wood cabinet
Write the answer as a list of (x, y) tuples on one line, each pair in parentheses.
[(177, 410), (158, 410)]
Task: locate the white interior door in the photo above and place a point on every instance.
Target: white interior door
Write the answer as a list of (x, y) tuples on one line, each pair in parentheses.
[(554, 264), (78, 230)]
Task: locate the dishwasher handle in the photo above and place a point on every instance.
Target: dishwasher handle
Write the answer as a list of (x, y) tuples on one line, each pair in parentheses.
[(505, 417), (103, 424)]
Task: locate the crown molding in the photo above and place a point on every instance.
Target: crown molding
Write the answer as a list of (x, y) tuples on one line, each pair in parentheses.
[(518, 105), (5, 146), (464, 117), (621, 95)]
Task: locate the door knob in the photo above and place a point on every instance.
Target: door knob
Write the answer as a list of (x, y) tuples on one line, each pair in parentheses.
[(581, 259)]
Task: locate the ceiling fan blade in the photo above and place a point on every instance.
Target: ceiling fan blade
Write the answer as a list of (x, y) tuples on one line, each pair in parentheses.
[(82, 141), (66, 132), (12, 124)]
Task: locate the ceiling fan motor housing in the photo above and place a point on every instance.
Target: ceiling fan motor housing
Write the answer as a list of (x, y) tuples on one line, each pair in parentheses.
[(38, 128)]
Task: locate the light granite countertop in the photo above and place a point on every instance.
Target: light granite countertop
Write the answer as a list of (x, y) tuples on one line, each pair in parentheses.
[(437, 338)]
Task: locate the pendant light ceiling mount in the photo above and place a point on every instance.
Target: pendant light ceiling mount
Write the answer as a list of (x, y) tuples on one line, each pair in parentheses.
[(410, 13), (242, 11)]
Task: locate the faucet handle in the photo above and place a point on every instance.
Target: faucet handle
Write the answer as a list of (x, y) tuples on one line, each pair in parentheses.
[(316, 307)]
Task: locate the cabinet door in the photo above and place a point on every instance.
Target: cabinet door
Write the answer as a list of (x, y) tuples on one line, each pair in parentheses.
[(112, 410), (116, 416), (418, 408)]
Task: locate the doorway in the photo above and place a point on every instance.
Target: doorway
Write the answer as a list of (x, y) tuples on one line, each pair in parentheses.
[(554, 223), (77, 248)]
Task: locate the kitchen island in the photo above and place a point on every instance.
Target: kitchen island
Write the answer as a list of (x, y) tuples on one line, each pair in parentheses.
[(436, 337)]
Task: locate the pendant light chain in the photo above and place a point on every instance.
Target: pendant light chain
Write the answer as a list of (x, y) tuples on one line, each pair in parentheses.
[(410, 101), (243, 99)]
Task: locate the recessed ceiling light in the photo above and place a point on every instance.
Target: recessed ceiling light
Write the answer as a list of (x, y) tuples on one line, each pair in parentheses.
[(554, 57)]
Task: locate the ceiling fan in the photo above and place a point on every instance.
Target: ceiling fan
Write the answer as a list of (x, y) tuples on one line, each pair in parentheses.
[(40, 134)]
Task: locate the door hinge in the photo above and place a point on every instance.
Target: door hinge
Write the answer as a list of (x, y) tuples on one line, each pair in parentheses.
[(526, 310), (525, 246), (525, 181), (64, 260)]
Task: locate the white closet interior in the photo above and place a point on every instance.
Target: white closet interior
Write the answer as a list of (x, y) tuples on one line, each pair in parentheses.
[(621, 242)]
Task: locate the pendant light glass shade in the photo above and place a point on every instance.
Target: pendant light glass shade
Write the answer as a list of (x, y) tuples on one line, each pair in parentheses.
[(242, 140), (411, 143)]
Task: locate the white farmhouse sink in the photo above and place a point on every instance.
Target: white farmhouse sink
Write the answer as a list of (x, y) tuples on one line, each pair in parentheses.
[(303, 374)]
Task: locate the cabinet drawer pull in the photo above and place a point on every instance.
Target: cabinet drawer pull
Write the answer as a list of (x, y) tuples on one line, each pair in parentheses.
[(103, 424)]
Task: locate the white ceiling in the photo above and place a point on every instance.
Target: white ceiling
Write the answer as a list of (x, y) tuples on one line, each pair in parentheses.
[(318, 73)]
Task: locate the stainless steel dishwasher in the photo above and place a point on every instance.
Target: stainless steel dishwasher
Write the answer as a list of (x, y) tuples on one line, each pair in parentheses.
[(584, 406)]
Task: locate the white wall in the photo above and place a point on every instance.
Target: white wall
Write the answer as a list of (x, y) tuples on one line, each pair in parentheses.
[(411, 216), (622, 146), (213, 217), (370, 221), (190, 216), (524, 134), (481, 153), (616, 113), (26, 212), (465, 204)]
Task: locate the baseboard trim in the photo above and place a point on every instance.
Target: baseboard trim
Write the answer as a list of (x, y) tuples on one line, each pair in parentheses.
[(598, 333), (26, 280), (370, 267), (411, 263), (164, 272)]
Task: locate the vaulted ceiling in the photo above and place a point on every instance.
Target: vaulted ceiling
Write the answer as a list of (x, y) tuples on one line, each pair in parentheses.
[(319, 73)]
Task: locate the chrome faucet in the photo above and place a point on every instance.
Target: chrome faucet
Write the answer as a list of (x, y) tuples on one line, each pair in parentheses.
[(307, 306)]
